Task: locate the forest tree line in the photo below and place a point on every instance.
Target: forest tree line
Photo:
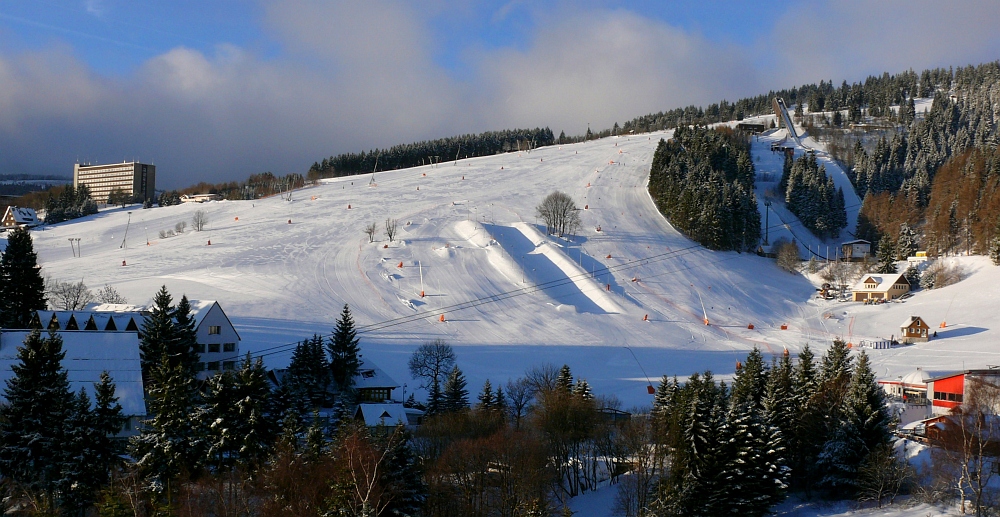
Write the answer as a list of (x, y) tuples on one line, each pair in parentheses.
[(429, 152)]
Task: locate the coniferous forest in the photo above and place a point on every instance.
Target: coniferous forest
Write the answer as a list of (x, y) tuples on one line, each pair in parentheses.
[(432, 151), (811, 195), (702, 180)]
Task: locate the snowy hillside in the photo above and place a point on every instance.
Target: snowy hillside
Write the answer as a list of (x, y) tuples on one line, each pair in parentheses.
[(511, 297)]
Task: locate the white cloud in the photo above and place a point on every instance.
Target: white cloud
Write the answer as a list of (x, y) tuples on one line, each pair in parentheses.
[(356, 76)]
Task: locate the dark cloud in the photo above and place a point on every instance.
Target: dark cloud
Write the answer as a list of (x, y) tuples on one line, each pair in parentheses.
[(353, 77)]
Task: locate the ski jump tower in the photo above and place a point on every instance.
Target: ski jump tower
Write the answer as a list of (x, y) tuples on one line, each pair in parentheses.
[(781, 111)]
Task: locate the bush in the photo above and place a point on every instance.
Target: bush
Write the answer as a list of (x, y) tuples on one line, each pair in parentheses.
[(939, 275), (788, 256)]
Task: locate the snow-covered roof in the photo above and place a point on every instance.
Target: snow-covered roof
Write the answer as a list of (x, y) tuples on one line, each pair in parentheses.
[(387, 414), (371, 376), (883, 282), (911, 320), (855, 241), (116, 307), (87, 355), (21, 215)]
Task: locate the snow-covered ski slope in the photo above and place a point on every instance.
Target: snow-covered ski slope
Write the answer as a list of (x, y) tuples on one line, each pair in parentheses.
[(512, 298)]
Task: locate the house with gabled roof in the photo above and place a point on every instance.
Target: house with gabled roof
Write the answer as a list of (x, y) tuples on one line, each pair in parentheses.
[(15, 217), (217, 340), (914, 330), (877, 286)]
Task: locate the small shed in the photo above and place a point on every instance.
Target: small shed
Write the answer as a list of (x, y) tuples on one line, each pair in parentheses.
[(15, 217), (914, 330), (855, 250)]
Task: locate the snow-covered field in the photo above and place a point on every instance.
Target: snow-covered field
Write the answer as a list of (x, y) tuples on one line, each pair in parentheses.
[(511, 297)]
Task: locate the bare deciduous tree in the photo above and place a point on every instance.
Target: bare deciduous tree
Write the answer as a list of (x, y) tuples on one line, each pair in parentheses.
[(109, 294), (560, 214), (431, 363), (199, 220), (882, 476), (69, 296), (180, 226), (370, 232), (390, 229), (519, 395)]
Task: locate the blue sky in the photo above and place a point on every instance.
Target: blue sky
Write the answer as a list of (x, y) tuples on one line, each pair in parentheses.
[(218, 90)]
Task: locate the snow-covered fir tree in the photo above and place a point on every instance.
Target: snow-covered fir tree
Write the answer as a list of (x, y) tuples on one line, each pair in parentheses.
[(345, 354), (22, 289), (32, 422), (862, 427), (906, 243), (886, 257)]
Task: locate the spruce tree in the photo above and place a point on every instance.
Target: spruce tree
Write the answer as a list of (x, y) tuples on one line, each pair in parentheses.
[(171, 442), (344, 351), (862, 428), (32, 422), (486, 399), (239, 429), (564, 382), (108, 421), (304, 386), (750, 381), (995, 250), (886, 257), (183, 347), (22, 289), (456, 397), (158, 336), (403, 475), (582, 389), (906, 244)]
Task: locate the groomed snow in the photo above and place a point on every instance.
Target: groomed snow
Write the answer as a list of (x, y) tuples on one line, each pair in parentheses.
[(512, 298)]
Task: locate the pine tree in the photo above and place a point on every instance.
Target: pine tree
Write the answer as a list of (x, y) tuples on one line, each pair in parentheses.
[(171, 442), (863, 428), (108, 422), (403, 475), (582, 389), (22, 290), (78, 481), (456, 397), (906, 244), (564, 381), (239, 429), (750, 381), (995, 250), (159, 334), (183, 346), (304, 386), (886, 257), (344, 351), (486, 399), (39, 403)]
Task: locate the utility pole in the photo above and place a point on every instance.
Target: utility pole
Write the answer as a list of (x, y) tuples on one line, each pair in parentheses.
[(767, 218)]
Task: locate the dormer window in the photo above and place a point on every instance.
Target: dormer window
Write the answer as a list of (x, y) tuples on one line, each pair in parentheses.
[(368, 374)]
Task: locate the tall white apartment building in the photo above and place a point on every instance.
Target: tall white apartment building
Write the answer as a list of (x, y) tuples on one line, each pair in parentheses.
[(133, 178)]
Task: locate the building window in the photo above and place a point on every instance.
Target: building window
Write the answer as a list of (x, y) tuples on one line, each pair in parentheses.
[(213, 366), (213, 347), (199, 348), (200, 367), (228, 365), (229, 347), (214, 329)]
